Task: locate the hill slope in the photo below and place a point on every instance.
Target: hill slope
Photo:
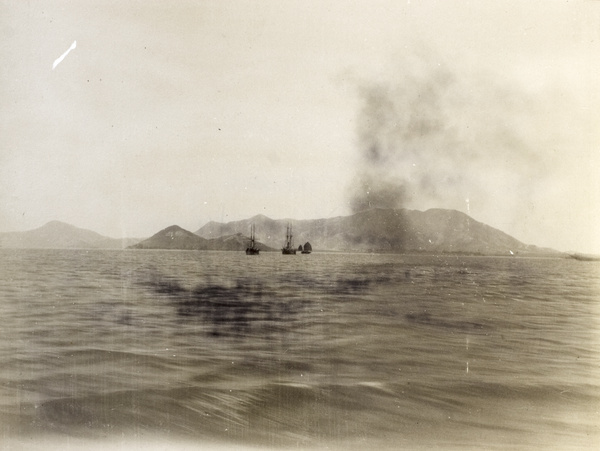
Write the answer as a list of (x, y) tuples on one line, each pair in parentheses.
[(59, 235), (175, 237), (383, 230)]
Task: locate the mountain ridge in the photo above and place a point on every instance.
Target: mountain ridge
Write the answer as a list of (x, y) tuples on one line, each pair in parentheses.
[(385, 230), (376, 230), (175, 237), (60, 235)]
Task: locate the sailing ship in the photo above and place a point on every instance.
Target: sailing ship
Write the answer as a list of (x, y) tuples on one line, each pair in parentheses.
[(307, 248), (252, 249), (289, 248)]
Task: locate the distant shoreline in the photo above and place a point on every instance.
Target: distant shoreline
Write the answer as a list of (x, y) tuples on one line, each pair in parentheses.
[(558, 255)]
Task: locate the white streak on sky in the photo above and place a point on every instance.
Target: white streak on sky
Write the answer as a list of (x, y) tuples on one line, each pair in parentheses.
[(62, 57)]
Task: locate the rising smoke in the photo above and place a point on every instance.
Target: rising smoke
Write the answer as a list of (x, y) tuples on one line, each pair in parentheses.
[(431, 137)]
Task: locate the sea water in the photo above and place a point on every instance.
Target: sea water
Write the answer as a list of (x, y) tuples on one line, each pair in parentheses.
[(220, 350)]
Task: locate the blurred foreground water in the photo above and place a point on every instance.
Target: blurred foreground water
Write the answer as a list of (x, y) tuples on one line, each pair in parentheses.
[(322, 351)]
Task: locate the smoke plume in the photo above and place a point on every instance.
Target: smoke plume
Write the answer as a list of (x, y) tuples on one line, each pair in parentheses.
[(434, 137)]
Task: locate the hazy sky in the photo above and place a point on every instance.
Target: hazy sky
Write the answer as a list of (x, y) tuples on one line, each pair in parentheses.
[(184, 112)]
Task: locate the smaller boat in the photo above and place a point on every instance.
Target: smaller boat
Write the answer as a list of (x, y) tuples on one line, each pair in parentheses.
[(289, 248), (252, 249), (307, 248)]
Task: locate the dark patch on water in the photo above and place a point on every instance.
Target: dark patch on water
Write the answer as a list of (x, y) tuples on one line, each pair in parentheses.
[(351, 285), (425, 318), (168, 286), (241, 308), (244, 306)]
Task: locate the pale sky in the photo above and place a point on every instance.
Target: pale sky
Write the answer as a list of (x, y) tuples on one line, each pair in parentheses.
[(185, 112)]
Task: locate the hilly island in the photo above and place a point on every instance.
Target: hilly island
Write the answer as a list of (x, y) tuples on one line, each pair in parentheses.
[(375, 230)]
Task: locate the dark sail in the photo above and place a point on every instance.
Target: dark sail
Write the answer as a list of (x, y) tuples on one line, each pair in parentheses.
[(307, 248)]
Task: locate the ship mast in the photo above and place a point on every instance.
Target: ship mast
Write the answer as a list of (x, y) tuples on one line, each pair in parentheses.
[(288, 249)]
